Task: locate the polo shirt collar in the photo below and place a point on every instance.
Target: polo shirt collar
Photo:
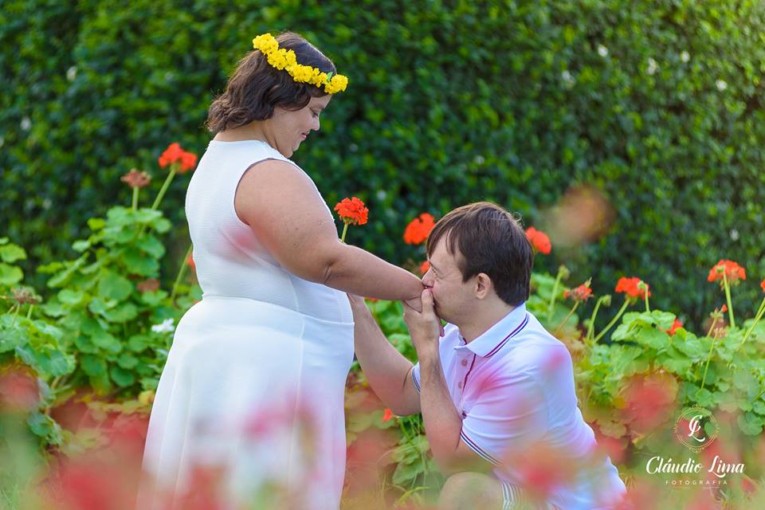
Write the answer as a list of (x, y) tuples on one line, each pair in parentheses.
[(494, 338)]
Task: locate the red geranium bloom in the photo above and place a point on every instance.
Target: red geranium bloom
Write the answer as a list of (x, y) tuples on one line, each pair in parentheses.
[(633, 287), (175, 154), (418, 230), (424, 267), (580, 293), (387, 415), (539, 240), (675, 326), (732, 271), (352, 211)]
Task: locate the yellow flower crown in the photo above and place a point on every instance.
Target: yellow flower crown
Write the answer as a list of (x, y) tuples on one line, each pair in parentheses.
[(285, 60)]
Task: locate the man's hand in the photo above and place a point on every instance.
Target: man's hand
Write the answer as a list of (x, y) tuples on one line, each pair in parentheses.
[(424, 327)]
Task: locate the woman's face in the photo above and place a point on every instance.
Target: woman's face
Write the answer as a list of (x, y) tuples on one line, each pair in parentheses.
[(288, 128)]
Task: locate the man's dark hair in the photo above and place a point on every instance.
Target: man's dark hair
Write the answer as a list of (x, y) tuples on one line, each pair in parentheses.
[(488, 239)]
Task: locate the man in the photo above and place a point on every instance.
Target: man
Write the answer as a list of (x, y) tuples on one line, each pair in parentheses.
[(496, 391)]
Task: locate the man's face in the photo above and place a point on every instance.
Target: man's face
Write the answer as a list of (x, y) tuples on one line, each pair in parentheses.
[(452, 296)]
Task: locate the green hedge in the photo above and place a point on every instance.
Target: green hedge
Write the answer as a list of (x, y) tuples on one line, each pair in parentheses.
[(657, 104)]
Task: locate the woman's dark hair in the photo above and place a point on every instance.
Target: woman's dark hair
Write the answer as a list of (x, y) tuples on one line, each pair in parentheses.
[(256, 88), (488, 239)]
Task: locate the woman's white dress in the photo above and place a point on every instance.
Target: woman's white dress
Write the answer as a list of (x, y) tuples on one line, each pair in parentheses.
[(252, 393)]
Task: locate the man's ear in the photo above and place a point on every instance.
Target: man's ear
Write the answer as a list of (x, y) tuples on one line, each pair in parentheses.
[(483, 286)]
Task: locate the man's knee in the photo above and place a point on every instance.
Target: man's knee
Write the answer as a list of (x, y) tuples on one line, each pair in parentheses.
[(470, 491)]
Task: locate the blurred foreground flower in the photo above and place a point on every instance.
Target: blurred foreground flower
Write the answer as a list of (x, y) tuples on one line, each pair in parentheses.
[(582, 215)]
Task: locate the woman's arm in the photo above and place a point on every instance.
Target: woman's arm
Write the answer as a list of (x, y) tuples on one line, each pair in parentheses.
[(282, 206)]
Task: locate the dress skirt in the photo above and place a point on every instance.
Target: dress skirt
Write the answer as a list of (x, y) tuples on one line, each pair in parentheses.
[(249, 411)]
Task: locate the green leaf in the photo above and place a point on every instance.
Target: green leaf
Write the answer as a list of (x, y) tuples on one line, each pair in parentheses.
[(96, 223), (85, 344), (138, 343), (45, 427), (46, 359), (107, 342), (121, 313), (138, 263), (750, 423), (121, 376), (80, 246), (127, 361), (151, 245), (11, 335), (113, 286), (155, 298), (70, 297), (11, 253), (93, 365), (10, 275)]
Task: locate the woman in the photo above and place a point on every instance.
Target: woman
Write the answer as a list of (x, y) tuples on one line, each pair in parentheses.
[(251, 399)]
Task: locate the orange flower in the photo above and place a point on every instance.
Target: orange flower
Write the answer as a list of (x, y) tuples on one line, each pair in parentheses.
[(175, 154), (387, 415), (580, 293), (424, 267), (190, 262), (418, 230), (539, 240), (633, 287), (732, 271), (136, 179), (675, 326), (352, 211), (762, 284)]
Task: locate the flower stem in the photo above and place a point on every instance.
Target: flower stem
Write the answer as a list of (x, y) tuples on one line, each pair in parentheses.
[(568, 315), (181, 274), (613, 321), (757, 317), (29, 312), (345, 231), (135, 198), (165, 185), (706, 366), (554, 295), (591, 326), (727, 298), (647, 308)]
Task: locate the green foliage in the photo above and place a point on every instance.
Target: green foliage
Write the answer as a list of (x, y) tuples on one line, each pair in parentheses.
[(656, 104)]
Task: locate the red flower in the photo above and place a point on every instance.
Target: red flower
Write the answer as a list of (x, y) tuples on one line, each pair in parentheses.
[(580, 293), (387, 415), (352, 211), (762, 284), (539, 241), (190, 262), (425, 267), (675, 326), (418, 230), (633, 287), (732, 271), (175, 154), (136, 179)]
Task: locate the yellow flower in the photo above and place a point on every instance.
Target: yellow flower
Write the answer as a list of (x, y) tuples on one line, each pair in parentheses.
[(282, 59)]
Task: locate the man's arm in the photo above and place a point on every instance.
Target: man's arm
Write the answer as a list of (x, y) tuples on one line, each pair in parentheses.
[(387, 370), (442, 421)]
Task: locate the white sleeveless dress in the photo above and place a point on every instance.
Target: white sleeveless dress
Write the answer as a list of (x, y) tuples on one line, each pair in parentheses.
[(252, 392)]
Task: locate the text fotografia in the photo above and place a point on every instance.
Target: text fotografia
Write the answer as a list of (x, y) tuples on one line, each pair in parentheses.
[(719, 468)]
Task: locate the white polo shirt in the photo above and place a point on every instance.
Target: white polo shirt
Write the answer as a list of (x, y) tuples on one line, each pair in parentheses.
[(514, 386)]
